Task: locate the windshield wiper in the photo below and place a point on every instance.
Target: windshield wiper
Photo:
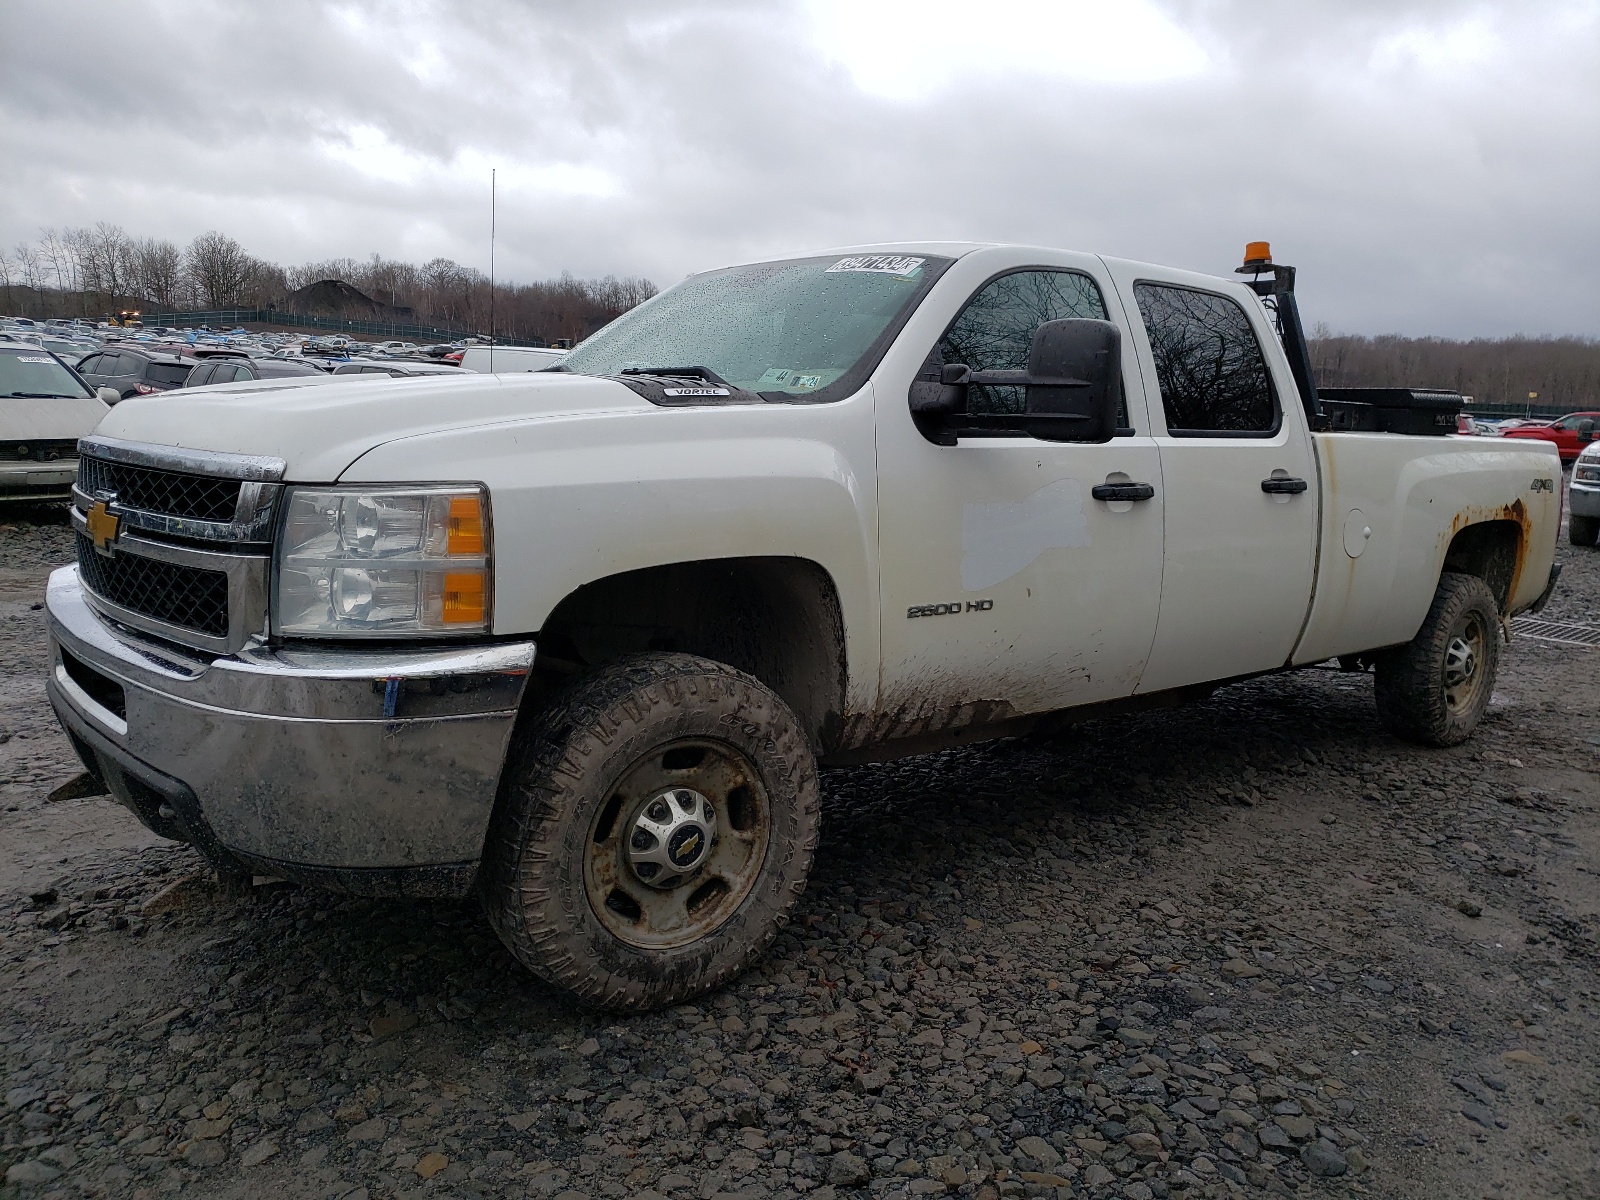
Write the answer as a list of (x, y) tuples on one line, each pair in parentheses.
[(42, 396), (705, 373)]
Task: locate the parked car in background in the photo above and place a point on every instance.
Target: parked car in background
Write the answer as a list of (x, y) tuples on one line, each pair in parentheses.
[(45, 407), (238, 368), (1570, 434), (398, 368), (136, 372), (1583, 498), (503, 359), (71, 350)]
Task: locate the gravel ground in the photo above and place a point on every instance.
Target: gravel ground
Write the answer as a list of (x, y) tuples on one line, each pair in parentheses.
[(1251, 947)]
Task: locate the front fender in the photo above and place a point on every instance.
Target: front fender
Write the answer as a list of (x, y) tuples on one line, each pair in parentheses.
[(578, 497)]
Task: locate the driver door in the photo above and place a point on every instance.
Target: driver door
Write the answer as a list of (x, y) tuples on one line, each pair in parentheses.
[(1006, 587)]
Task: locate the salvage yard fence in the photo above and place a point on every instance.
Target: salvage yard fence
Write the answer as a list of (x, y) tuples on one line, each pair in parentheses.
[(228, 318)]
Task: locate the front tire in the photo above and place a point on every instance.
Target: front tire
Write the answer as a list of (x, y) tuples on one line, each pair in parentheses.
[(1583, 531), (1435, 689), (657, 826)]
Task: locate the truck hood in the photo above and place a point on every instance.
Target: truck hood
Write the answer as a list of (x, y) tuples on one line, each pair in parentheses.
[(319, 430)]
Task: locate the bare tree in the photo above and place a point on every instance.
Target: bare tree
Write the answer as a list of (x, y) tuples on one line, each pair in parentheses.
[(1495, 372), (157, 271), (218, 269)]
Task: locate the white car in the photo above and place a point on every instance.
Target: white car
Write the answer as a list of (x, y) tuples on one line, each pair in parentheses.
[(576, 640), (1583, 498), (44, 409), (502, 359)]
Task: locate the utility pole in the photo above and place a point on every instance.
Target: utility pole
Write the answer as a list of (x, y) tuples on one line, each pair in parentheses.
[(491, 269)]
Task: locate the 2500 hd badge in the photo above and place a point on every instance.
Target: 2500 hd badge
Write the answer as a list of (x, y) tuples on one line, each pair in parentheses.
[(945, 610)]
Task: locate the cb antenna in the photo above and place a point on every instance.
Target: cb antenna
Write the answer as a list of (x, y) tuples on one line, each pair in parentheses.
[(491, 269)]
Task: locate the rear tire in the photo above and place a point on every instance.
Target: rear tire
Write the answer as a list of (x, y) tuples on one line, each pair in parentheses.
[(1583, 531), (1435, 689), (656, 828)]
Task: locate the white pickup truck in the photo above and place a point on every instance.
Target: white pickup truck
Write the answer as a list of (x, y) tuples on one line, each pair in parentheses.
[(578, 639)]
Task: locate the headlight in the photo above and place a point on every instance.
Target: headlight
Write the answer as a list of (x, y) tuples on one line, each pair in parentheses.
[(1587, 472), (384, 562)]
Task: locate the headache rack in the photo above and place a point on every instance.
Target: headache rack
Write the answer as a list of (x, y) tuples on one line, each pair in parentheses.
[(1342, 410)]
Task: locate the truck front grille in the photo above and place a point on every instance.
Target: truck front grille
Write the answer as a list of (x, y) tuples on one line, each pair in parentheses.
[(188, 597), (170, 493)]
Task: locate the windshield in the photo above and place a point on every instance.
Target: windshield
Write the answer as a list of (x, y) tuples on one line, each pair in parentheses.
[(34, 373), (808, 328)]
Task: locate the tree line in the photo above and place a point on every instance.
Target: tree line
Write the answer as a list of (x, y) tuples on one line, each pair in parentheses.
[(1563, 372), (92, 272)]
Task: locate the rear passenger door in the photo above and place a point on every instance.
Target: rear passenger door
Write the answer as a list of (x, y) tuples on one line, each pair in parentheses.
[(1240, 556)]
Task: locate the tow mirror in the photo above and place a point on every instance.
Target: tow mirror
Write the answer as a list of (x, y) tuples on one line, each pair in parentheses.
[(1071, 389), (1586, 429), (1075, 372)]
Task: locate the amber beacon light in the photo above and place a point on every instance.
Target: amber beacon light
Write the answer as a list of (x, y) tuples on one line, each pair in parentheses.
[(1257, 256)]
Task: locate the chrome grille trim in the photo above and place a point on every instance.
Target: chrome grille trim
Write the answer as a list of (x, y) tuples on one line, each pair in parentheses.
[(250, 528), (247, 591), (256, 467), (238, 548)]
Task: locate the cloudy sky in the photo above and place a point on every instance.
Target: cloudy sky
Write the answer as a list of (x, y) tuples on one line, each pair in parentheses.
[(1432, 166)]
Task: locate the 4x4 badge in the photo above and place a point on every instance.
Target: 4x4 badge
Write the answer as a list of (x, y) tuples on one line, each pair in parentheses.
[(102, 524)]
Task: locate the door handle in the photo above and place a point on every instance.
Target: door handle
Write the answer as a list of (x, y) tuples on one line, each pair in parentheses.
[(1122, 491), (1280, 485)]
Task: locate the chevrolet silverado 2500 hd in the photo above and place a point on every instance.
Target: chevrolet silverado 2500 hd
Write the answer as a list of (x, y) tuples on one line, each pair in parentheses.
[(578, 638)]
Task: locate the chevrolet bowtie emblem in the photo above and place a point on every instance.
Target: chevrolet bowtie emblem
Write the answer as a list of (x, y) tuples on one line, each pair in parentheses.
[(102, 524)]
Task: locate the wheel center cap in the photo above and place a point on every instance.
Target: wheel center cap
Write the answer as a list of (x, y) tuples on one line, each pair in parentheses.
[(1460, 662), (671, 837)]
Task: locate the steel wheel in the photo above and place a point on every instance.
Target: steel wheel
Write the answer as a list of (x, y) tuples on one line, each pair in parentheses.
[(1435, 689), (678, 845), (1463, 657)]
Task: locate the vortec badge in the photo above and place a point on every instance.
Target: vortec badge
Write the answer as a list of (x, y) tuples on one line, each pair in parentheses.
[(102, 524)]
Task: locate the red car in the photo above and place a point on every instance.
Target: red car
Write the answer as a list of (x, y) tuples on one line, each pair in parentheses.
[(1571, 433)]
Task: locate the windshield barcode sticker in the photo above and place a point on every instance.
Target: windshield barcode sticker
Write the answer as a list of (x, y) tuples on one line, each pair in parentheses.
[(882, 264), (697, 391), (32, 358)]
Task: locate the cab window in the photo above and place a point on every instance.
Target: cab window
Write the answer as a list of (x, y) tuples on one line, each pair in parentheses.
[(1209, 366)]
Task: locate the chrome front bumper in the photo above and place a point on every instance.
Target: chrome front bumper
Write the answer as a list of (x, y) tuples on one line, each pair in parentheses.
[(38, 481), (370, 770), (1584, 499)]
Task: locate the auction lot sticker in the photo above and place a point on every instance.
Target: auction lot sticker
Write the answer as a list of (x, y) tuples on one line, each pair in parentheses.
[(881, 264)]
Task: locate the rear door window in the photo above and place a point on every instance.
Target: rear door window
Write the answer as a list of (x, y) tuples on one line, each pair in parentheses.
[(1210, 368)]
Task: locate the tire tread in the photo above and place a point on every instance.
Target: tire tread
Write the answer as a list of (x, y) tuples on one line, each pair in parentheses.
[(516, 881), (1409, 688)]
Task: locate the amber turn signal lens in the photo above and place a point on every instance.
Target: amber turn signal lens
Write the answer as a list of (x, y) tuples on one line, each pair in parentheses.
[(464, 599), (465, 528), (1257, 252)]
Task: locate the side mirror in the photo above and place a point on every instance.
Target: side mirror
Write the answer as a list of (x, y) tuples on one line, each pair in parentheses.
[(1072, 388), (1586, 429), (108, 395), (1074, 381)]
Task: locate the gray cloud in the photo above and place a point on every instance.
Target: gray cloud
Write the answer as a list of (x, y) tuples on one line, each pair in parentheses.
[(1431, 166)]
